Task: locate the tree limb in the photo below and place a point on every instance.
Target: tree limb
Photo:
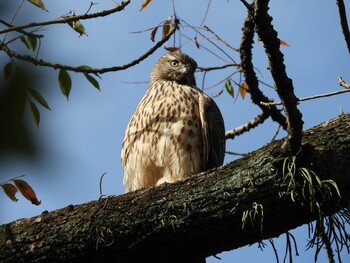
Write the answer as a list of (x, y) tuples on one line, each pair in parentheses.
[(200, 216), (250, 77), (344, 22), (284, 85)]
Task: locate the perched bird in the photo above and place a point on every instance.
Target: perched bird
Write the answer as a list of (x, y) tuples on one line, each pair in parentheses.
[(176, 130)]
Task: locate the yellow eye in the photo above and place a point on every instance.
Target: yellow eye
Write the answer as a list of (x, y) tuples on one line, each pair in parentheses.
[(174, 63)]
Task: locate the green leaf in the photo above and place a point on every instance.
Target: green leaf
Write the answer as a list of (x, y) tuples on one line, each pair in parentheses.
[(229, 87), (92, 80), (88, 68), (8, 69), (35, 113), (78, 27), (38, 3), (65, 82), (31, 43), (39, 98)]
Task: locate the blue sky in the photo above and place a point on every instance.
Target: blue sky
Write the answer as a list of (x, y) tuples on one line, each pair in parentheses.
[(81, 139)]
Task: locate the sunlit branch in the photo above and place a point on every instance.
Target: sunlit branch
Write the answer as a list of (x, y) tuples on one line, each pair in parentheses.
[(65, 20), (82, 69)]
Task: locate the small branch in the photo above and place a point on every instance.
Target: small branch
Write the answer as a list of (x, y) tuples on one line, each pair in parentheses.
[(235, 153), (246, 127), (220, 39), (269, 104), (43, 63), (65, 20), (219, 67), (22, 31), (344, 22)]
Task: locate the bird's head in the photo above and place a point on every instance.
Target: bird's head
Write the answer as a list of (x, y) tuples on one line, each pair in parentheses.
[(177, 67)]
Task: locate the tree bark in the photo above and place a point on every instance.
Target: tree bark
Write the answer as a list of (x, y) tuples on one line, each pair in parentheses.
[(189, 219)]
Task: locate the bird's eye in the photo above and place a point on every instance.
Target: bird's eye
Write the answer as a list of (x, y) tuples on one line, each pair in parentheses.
[(174, 63)]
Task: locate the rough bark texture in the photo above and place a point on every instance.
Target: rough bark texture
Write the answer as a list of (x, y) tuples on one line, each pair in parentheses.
[(200, 216)]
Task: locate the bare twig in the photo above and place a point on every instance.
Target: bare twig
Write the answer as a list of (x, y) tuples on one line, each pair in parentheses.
[(22, 31), (235, 153), (219, 67), (269, 104), (344, 22), (246, 127), (43, 63), (64, 20), (220, 39)]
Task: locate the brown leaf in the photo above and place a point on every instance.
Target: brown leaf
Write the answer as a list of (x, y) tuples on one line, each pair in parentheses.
[(243, 88), (284, 43), (153, 33), (10, 190), (26, 191), (145, 4), (166, 27), (172, 49)]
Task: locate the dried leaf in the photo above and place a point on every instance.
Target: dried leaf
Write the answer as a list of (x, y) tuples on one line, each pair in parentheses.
[(26, 191), (10, 190), (172, 49), (93, 81), (35, 113), (38, 3), (153, 33), (284, 43), (229, 88), (243, 88), (8, 69), (39, 98), (145, 4), (65, 82), (259, 40), (166, 27)]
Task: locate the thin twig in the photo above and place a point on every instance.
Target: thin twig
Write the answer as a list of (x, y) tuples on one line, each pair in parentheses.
[(220, 39), (269, 104), (235, 153), (65, 20), (219, 67), (21, 31), (40, 62)]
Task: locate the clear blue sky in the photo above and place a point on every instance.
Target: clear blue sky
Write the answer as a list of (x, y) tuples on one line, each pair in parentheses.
[(81, 139)]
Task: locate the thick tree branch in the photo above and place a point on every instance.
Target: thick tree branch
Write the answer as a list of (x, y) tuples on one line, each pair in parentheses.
[(344, 22), (200, 216), (283, 84), (250, 77)]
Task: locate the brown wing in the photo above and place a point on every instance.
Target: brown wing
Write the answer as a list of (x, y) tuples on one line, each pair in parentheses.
[(213, 132)]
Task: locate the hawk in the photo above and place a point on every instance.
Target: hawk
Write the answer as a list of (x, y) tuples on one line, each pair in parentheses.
[(176, 130)]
